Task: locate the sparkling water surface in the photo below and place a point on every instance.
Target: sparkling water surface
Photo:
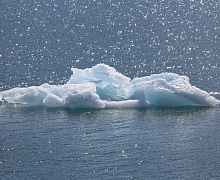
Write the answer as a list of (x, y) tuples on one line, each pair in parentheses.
[(110, 144), (42, 40)]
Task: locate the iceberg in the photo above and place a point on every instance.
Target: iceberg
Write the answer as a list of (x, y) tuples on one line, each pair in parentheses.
[(103, 87)]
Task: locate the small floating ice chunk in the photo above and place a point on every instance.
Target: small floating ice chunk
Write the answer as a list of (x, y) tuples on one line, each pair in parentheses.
[(103, 87)]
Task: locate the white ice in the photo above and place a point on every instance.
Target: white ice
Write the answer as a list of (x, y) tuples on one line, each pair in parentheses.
[(103, 87)]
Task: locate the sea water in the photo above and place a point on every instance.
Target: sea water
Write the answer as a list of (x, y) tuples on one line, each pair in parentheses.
[(43, 136)]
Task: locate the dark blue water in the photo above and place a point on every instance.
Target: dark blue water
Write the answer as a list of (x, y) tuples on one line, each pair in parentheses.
[(42, 40), (110, 144)]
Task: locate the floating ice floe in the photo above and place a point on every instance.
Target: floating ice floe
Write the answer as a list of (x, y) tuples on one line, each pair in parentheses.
[(103, 87)]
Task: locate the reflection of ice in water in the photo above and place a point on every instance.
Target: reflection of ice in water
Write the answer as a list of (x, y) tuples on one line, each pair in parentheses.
[(103, 87)]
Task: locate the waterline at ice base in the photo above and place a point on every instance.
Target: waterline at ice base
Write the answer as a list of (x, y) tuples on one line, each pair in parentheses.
[(103, 87)]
